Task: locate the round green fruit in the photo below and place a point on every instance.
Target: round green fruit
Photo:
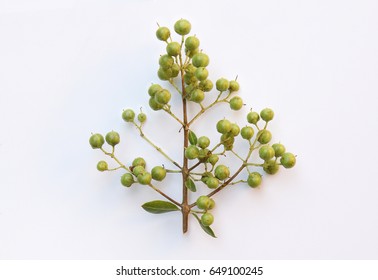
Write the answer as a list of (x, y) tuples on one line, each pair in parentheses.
[(163, 33), (213, 159), (212, 183), (128, 115), (203, 202), (203, 142), (222, 84), (235, 130), (153, 89), (182, 27), (201, 73), (200, 60), (191, 152), (247, 132), (137, 170), (144, 178), (139, 161), (206, 85), (127, 179), (158, 173), (163, 96), (142, 117), (192, 43), (164, 74), (96, 141), (102, 166), (222, 172), (264, 136), (254, 179), (234, 86), (166, 61), (266, 152), (155, 105), (173, 49), (197, 96), (279, 149), (236, 103), (253, 117), (207, 219), (271, 167), (224, 126), (112, 138), (288, 160), (267, 114)]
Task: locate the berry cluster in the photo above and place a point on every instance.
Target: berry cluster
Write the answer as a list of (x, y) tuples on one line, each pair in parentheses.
[(183, 66)]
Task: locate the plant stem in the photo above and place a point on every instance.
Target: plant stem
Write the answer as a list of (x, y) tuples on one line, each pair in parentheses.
[(163, 194)]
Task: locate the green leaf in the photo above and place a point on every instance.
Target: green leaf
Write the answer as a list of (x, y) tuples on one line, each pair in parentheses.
[(159, 206), (207, 229), (190, 185), (192, 138)]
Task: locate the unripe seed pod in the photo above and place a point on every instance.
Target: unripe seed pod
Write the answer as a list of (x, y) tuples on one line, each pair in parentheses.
[(139, 162), (205, 176), (222, 172), (247, 132), (266, 152), (166, 61), (253, 117), (137, 170), (235, 129), (236, 103), (207, 219), (190, 69), (112, 138), (153, 89), (189, 79), (288, 160), (191, 152), (201, 73), (173, 49), (165, 74), (264, 136), (203, 142), (163, 33), (203, 202), (212, 183), (191, 53), (182, 27), (197, 96), (213, 159), (127, 179), (142, 117), (234, 86), (175, 70), (254, 179), (203, 155), (144, 178), (224, 126), (155, 105), (267, 114), (271, 167), (279, 149), (201, 60), (227, 139), (222, 84), (192, 43), (206, 85), (158, 173), (102, 166), (163, 96), (128, 115), (96, 141)]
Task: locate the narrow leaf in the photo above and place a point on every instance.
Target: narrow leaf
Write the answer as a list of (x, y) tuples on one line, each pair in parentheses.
[(192, 138), (190, 185), (159, 206), (207, 229)]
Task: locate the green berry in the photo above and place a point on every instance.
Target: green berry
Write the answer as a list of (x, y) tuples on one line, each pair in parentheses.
[(271, 167), (191, 152), (264, 136), (137, 170), (213, 159), (164, 74), (166, 61), (236, 103), (279, 149), (163, 33), (139, 162), (173, 49), (247, 132), (234, 86), (128, 115), (163, 96), (212, 183), (203, 202), (203, 155), (227, 139), (254, 179), (201, 73), (191, 53), (142, 117), (235, 129), (112, 138), (144, 178), (153, 89), (158, 173), (222, 172), (207, 219), (155, 105), (102, 165), (203, 142), (192, 43), (175, 70), (211, 204), (267, 114), (222, 84), (190, 79), (206, 85), (96, 141), (200, 60), (253, 117), (266, 152), (288, 160), (205, 176), (182, 27), (127, 179), (197, 96), (190, 69), (224, 126)]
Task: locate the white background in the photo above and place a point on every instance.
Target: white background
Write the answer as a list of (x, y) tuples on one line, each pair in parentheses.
[(68, 68)]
